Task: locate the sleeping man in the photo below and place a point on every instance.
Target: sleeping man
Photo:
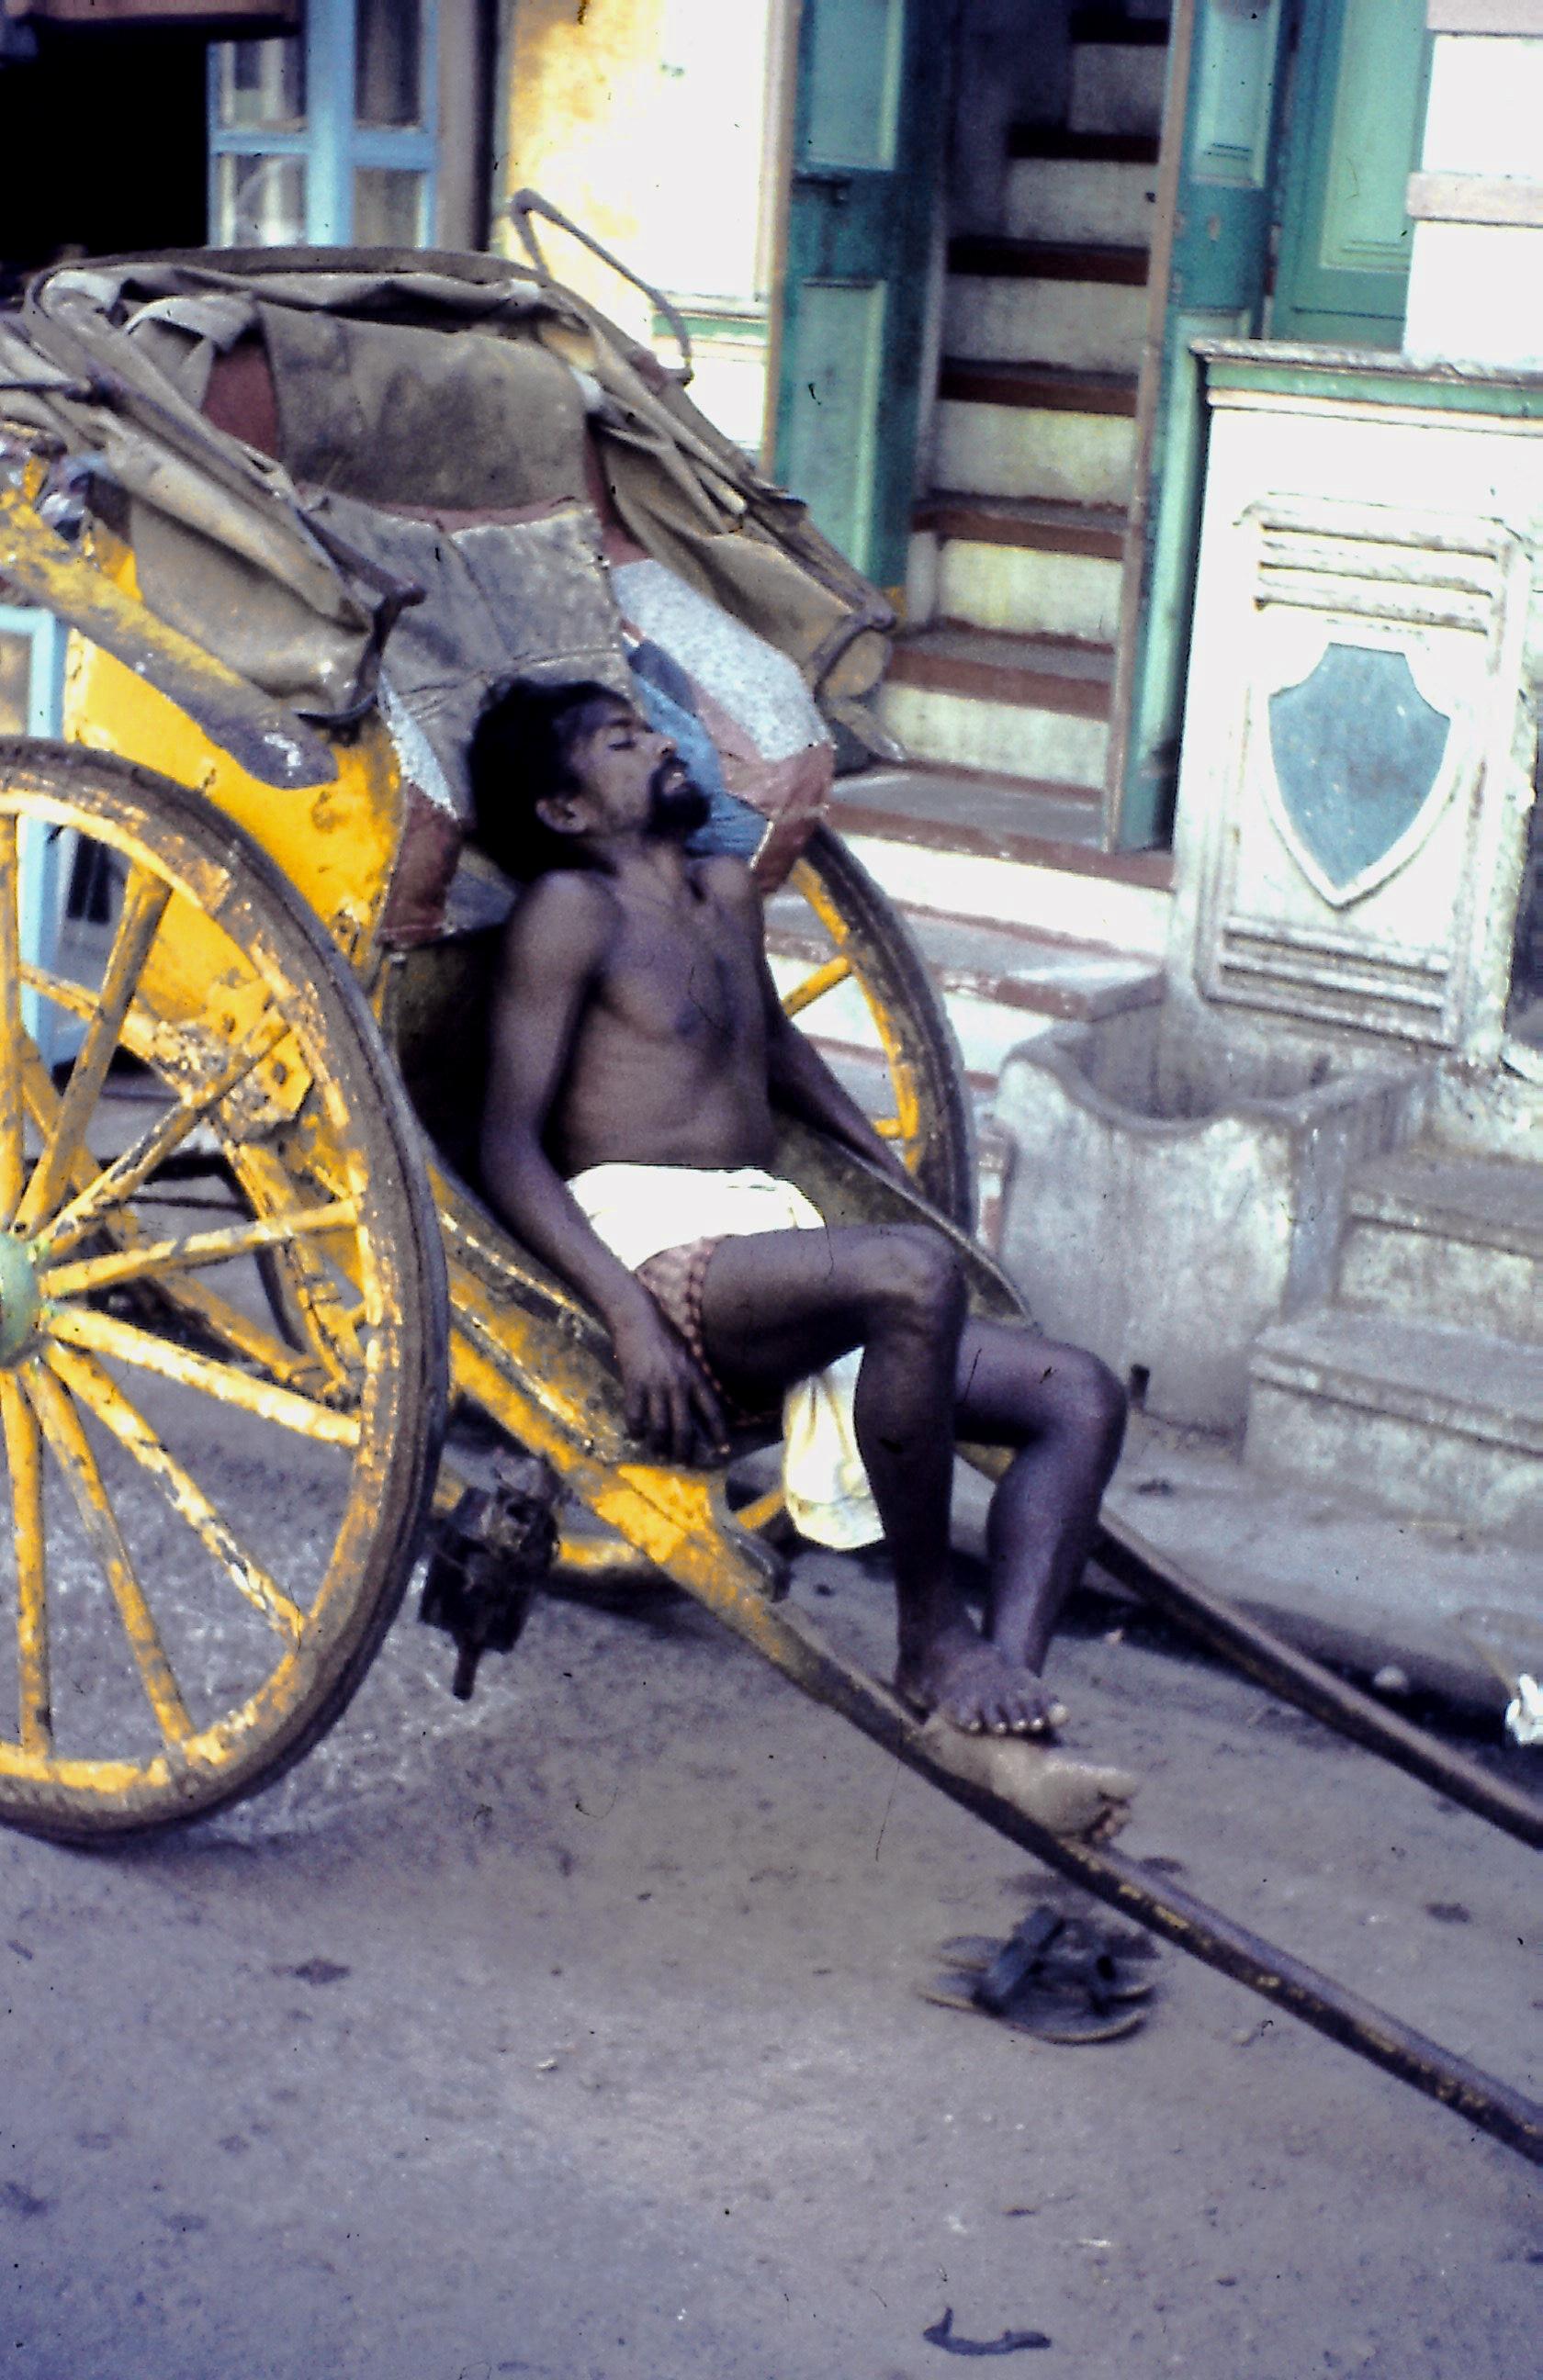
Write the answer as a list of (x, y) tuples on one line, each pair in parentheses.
[(639, 1057)]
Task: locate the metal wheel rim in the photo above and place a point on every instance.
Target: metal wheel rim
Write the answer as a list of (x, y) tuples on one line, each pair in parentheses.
[(382, 1412)]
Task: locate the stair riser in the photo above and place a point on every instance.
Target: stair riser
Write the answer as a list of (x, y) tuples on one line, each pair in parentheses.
[(1132, 918), (1013, 450), (1457, 1283), (965, 731), (1117, 87), (1414, 1468), (1090, 325), (1075, 198), (1021, 589)]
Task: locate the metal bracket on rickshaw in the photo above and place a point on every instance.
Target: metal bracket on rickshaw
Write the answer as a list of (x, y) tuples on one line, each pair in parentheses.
[(526, 203)]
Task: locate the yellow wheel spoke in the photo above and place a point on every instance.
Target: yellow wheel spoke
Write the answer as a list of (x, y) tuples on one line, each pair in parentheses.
[(128, 1173), (13, 1115), (217, 1315), (756, 1514), (76, 998), (105, 1334), (330, 1324), (24, 1461), (71, 1449), (150, 1259), (814, 986), (143, 906), (95, 1388)]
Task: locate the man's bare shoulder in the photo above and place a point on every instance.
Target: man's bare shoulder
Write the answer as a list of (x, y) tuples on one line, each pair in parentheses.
[(728, 880), (561, 923)]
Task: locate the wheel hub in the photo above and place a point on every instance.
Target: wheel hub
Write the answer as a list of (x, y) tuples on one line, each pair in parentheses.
[(18, 1298)]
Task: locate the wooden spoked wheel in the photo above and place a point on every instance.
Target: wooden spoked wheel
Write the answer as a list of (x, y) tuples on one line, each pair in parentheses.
[(855, 946), (213, 1518)]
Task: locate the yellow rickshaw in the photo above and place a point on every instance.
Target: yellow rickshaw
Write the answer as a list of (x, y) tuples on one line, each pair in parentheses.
[(302, 510)]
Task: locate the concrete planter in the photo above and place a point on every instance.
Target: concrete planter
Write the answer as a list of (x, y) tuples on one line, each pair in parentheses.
[(1166, 1230)]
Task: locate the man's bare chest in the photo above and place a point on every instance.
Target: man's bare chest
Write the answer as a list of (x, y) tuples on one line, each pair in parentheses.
[(689, 978)]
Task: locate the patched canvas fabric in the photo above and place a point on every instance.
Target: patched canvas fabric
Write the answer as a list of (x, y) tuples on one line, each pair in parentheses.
[(223, 546), (396, 415)]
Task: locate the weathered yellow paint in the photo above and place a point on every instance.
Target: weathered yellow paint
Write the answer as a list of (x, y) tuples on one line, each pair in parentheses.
[(105, 1334), (118, 1180), (12, 1111), (815, 985), (92, 590), (23, 1459), (71, 1449), (144, 905), (290, 1367), (337, 843), (95, 1388), (762, 1509), (578, 91), (153, 1259), (890, 1028)]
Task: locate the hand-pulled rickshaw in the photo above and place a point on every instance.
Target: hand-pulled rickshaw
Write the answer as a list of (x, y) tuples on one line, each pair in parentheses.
[(302, 510)]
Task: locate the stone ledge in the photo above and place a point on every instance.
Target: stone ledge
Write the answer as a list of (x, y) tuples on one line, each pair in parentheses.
[(1495, 199), (1503, 16)]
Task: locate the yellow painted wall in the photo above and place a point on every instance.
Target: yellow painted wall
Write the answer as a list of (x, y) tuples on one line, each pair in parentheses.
[(646, 120)]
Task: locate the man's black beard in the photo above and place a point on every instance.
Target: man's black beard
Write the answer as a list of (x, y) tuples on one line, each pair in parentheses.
[(677, 806)]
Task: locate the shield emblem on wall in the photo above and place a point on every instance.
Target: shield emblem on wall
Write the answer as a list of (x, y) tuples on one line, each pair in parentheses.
[(1361, 767)]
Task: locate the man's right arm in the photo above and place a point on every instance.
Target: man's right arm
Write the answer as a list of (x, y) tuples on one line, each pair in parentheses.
[(549, 969)]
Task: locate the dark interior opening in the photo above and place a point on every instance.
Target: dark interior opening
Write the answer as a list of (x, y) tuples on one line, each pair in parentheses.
[(104, 140)]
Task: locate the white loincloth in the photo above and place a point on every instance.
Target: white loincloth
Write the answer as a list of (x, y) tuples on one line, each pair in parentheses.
[(640, 1210)]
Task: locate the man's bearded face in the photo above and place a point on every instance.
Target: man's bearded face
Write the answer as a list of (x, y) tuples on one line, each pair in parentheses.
[(677, 806)]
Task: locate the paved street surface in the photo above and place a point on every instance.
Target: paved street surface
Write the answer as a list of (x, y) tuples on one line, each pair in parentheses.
[(579, 2035)]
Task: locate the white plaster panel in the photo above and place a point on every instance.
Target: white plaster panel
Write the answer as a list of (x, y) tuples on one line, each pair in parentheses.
[(1484, 114), (1476, 293), (1426, 939)]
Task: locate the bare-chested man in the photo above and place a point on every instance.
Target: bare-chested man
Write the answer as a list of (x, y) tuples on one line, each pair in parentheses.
[(635, 1021)]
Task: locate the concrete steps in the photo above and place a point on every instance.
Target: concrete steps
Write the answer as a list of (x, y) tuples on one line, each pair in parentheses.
[(969, 698), (1456, 1239), (1013, 428), (1119, 67), (1014, 590), (1001, 687), (1079, 305), (1001, 982), (992, 848), (1026, 565), (1421, 1384), (1098, 187), (1445, 1424)]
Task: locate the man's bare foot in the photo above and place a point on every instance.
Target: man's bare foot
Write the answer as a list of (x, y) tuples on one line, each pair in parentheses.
[(963, 1678)]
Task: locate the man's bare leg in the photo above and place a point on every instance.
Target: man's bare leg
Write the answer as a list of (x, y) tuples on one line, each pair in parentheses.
[(778, 1305), (1064, 1413)]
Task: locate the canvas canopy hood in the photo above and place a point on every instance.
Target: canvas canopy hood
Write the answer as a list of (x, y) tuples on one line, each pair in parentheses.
[(211, 401)]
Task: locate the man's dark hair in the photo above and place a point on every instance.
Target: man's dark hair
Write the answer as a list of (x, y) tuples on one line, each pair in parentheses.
[(521, 753)]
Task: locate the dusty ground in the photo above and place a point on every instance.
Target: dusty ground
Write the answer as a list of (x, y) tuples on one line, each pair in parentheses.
[(579, 2034)]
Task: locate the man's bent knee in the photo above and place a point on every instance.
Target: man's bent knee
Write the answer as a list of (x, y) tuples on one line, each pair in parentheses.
[(915, 1279), (1092, 1402)]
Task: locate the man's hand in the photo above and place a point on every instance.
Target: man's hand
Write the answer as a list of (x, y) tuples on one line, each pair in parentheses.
[(669, 1400)]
